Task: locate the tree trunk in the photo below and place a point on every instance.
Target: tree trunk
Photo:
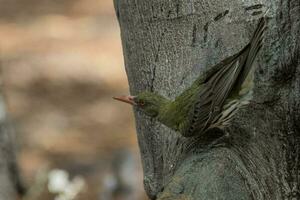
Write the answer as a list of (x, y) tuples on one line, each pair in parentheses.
[(166, 45), (10, 183)]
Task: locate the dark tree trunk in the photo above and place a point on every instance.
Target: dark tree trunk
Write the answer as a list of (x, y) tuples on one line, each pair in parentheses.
[(166, 45), (10, 183)]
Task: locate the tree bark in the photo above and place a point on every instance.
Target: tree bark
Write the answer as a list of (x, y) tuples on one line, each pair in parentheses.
[(166, 45)]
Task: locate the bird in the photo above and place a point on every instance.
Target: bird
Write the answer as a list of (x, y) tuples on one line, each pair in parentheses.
[(213, 98)]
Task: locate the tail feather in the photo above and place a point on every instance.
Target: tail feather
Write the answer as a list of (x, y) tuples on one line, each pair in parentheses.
[(255, 46)]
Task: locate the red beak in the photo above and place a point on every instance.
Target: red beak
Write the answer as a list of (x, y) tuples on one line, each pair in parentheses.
[(127, 99)]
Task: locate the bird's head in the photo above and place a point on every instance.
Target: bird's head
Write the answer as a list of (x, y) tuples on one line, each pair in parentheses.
[(150, 103)]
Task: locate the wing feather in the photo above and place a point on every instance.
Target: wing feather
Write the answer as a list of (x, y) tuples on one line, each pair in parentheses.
[(218, 86)]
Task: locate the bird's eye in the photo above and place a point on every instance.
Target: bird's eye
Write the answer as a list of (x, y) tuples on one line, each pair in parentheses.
[(142, 103)]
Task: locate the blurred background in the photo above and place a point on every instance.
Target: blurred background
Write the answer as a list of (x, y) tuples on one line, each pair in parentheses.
[(61, 63)]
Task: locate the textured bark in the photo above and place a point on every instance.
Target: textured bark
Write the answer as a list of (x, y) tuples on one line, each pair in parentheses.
[(166, 45)]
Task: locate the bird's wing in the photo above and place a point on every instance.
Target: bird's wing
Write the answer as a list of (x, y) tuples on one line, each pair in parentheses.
[(219, 86), (210, 99)]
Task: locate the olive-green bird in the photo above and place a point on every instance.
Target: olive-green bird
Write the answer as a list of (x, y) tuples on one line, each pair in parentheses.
[(213, 98)]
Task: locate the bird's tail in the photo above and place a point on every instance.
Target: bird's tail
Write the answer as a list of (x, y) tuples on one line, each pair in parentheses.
[(254, 46)]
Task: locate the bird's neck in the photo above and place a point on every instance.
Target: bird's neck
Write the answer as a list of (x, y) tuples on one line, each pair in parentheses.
[(172, 114)]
